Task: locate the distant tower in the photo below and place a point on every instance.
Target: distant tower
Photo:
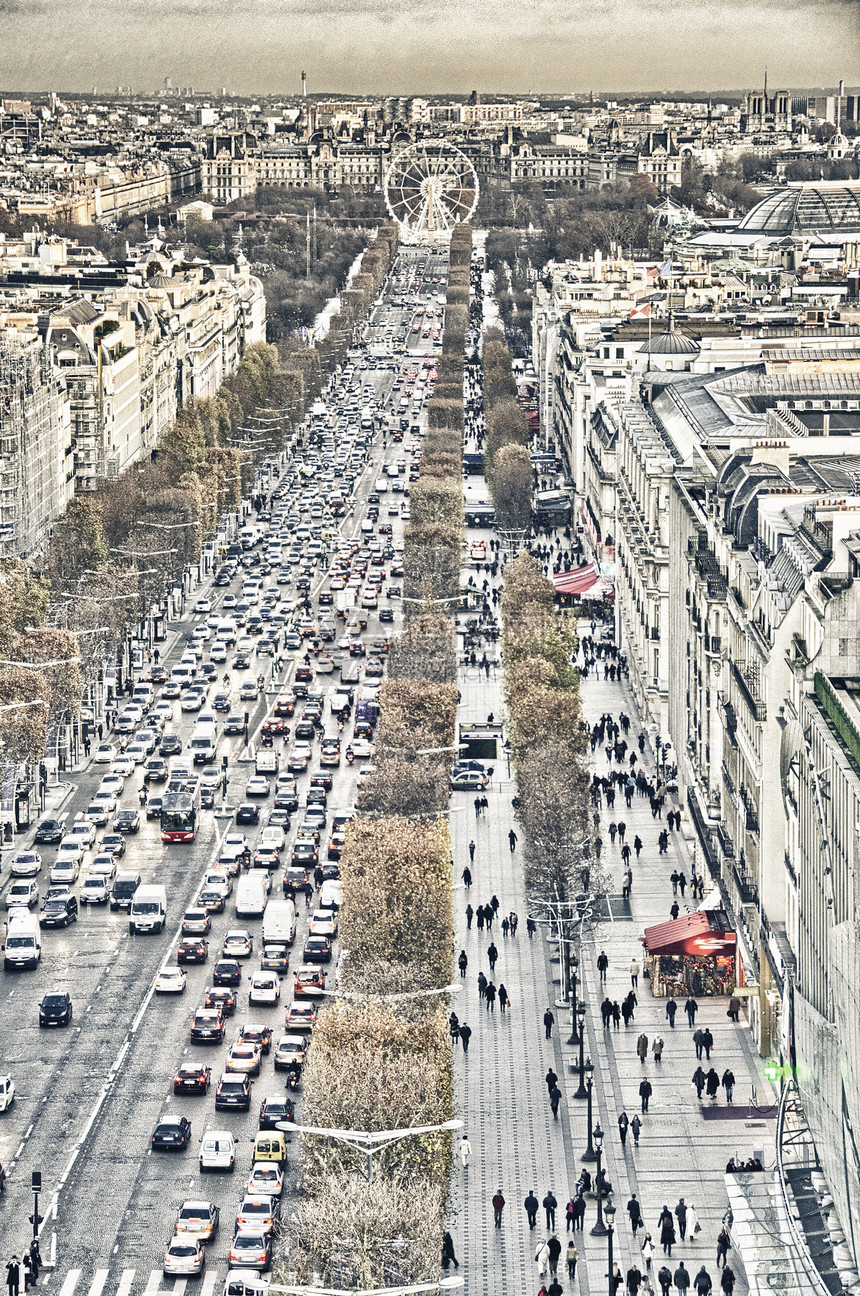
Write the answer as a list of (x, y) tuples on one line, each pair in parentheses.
[(304, 85)]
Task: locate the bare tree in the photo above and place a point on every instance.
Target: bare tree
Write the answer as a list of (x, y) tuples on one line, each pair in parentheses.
[(512, 487)]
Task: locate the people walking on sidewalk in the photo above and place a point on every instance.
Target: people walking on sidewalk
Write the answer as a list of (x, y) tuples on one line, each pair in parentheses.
[(532, 1205), (681, 1217), (666, 1225), (448, 1256), (699, 1042), (498, 1206), (634, 1210), (699, 1081), (554, 1254), (548, 1023), (727, 1282), (647, 1251), (723, 1244), (712, 1083), (728, 1083), (470, 913), (504, 1001), (623, 1123), (636, 1126), (490, 997), (635, 969), (693, 1225), (571, 1258), (467, 877), (463, 962), (681, 1278), (657, 1048), (542, 1258), (492, 956), (645, 1091), (465, 1036), (465, 1151), (471, 852), (702, 1282), (512, 840), (602, 965), (691, 1008), (671, 1009), (550, 1204), (642, 1047), (664, 1278), (707, 1042)]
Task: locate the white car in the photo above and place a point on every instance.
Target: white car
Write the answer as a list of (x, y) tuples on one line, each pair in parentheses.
[(362, 749), (267, 1179), (95, 890), (184, 1256), (138, 753), (84, 831), (24, 893), (123, 766), (7, 1097), (219, 882), (163, 709), (265, 988), (217, 1151), (104, 754), (26, 864), (171, 980), (202, 607), (112, 784), (65, 871), (218, 653), (244, 1059), (257, 786)]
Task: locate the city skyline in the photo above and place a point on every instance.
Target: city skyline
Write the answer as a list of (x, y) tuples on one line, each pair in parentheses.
[(438, 49)]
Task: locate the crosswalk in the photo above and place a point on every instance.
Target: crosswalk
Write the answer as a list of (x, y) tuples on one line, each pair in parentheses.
[(104, 1282)]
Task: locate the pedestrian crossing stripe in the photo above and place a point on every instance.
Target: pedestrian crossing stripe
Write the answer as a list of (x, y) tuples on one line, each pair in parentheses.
[(157, 1284)]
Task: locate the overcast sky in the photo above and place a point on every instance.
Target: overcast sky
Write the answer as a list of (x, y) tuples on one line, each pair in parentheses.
[(426, 46)]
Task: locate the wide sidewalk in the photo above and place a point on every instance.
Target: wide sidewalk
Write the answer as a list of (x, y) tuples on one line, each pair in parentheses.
[(501, 1093)]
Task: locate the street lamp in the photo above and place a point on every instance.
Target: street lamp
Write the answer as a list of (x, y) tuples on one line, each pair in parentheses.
[(610, 1216), (580, 1013), (600, 1228), (574, 984), (589, 1154)]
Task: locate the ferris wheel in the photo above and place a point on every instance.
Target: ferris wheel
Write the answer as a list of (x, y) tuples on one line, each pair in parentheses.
[(430, 187)]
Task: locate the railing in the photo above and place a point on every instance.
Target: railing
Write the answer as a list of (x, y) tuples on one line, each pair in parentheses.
[(789, 1100), (837, 715), (748, 687)]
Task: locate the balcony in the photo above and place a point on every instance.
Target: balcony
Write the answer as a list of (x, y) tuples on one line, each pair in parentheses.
[(747, 889), (748, 687)]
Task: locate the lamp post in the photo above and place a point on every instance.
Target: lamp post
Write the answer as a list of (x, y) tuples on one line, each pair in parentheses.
[(574, 984), (599, 1229), (580, 1013), (610, 1216), (589, 1154)]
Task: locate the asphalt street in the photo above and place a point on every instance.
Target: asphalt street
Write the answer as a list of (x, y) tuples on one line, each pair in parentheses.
[(90, 1095)]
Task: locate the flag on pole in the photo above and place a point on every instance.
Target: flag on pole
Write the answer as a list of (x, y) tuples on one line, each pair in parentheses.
[(665, 269), (641, 312)]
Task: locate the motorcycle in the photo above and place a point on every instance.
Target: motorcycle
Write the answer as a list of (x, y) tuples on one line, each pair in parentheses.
[(293, 1081), (350, 755)]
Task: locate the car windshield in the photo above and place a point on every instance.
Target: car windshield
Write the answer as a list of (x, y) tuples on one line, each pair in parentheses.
[(54, 1001), (232, 1086), (183, 1250)]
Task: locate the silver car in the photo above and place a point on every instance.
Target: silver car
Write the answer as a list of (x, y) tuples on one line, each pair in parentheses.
[(184, 1256)]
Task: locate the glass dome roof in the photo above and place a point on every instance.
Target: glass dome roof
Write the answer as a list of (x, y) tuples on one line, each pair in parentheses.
[(808, 209)]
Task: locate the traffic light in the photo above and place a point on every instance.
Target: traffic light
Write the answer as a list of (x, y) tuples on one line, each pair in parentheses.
[(224, 762), (37, 1181)]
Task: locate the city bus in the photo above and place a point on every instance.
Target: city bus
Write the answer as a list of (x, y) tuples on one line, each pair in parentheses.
[(180, 810)]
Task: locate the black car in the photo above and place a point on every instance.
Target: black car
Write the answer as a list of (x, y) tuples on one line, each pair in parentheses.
[(234, 724), (223, 998), (331, 871), (48, 832), (317, 950), (227, 973), (192, 950), (56, 1009), (234, 1091), (248, 813), (170, 745), (273, 1110), (155, 771), (304, 853), (172, 1135), (305, 731), (153, 807), (386, 614), (320, 787), (241, 661), (59, 911), (127, 821), (192, 1079)]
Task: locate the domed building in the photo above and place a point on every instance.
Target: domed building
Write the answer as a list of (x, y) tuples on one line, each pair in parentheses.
[(670, 351), (825, 212)]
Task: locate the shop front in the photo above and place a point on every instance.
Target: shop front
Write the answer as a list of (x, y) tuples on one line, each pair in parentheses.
[(696, 955)]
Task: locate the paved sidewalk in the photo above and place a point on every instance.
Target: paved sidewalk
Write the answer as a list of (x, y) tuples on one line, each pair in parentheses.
[(502, 1097)]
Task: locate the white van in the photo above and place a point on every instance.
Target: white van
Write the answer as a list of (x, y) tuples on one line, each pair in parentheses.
[(279, 923), (217, 1151), (226, 632), (250, 897), (202, 744), (331, 894), (148, 912), (23, 947)]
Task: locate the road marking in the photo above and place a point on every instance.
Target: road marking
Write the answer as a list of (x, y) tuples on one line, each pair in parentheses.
[(207, 1287), (179, 1286), (125, 1282), (97, 1285), (152, 1286), (70, 1282)]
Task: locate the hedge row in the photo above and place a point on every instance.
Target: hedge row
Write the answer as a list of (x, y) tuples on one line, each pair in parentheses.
[(380, 1064)]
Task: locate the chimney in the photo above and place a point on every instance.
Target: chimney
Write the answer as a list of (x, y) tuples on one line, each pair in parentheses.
[(304, 84)]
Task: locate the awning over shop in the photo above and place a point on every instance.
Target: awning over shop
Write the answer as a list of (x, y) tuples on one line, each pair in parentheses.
[(700, 934), (578, 581)]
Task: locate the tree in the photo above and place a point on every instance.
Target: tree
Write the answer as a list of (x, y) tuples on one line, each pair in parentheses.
[(506, 425), (437, 500), (431, 562), (511, 487), (425, 650)]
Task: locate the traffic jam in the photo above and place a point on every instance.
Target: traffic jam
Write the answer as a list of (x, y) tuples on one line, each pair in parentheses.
[(250, 734)]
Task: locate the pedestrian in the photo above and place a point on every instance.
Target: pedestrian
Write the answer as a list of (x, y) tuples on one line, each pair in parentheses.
[(691, 1008), (571, 1258), (616, 1278), (674, 910), (645, 1092), (465, 1151), (477, 807), (470, 913), (512, 840), (606, 1011), (504, 1001), (554, 1254), (637, 845), (506, 927), (531, 927), (728, 1083), (682, 883), (664, 1278), (532, 1206), (623, 1124), (673, 878), (482, 985), (708, 1042), (555, 1288), (657, 1048), (35, 1260), (480, 917), (549, 1204), (681, 1217), (463, 962), (616, 1014), (550, 1080), (699, 1043), (498, 1206), (681, 1279), (727, 1282), (467, 877), (642, 1047), (634, 1279), (514, 917), (471, 852), (489, 915), (647, 1251), (448, 1256), (554, 1101), (548, 1022), (485, 805), (702, 1282), (734, 1008), (699, 1080), (492, 956), (579, 1220), (723, 1244), (634, 972), (13, 1275), (490, 997), (634, 1210), (454, 1028), (542, 1258), (570, 1214), (627, 884), (636, 1126), (28, 1276), (602, 965), (693, 1225), (671, 1009), (465, 1036)]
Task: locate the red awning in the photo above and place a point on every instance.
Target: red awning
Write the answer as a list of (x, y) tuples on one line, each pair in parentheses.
[(576, 582), (705, 932)]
